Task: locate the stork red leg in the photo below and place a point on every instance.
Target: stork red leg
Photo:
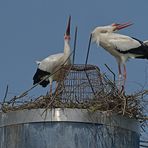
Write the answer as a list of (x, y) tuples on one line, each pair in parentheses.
[(124, 78), (56, 90), (50, 91), (119, 76), (124, 74)]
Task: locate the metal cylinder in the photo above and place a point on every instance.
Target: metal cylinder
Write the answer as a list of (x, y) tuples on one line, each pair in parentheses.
[(67, 128)]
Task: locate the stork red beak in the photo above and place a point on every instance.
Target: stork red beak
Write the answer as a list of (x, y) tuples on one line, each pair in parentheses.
[(121, 26), (68, 27)]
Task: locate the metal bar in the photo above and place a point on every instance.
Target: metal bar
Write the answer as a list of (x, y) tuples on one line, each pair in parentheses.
[(114, 76), (88, 49), (75, 43)]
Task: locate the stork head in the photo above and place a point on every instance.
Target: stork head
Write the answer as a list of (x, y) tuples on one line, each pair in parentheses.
[(100, 30), (107, 29), (67, 33)]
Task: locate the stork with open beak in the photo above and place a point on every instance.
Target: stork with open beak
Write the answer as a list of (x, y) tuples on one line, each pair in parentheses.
[(50, 65), (122, 47)]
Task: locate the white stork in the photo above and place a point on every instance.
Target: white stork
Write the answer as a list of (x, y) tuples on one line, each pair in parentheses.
[(52, 63), (122, 47)]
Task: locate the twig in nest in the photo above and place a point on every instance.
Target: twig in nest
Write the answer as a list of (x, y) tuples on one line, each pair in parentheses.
[(143, 118), (52, 100), (124, 107), (4, 100)]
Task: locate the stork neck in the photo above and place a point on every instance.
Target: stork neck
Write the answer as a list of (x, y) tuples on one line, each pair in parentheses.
[(67, 51), (67, 47)]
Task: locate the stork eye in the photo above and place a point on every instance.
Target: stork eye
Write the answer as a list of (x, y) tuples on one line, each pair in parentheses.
[(103, 31)]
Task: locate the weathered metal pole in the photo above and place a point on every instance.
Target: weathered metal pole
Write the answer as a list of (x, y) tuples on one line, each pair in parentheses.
[(67, 128)]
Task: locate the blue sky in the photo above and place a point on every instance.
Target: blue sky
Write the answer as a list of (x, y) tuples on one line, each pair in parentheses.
[(31, 30)]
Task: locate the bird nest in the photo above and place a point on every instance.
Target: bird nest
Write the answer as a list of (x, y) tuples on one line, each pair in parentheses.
[(83, 87)]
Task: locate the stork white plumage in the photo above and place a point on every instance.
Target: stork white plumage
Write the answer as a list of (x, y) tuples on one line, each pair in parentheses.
[(122, 47), (146, 42), (52, 63)]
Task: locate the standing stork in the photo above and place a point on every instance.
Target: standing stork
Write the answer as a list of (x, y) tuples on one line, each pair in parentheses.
[(51, 64), (122, 47)]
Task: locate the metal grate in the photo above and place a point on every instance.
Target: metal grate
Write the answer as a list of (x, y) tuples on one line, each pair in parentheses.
[(80, 83)]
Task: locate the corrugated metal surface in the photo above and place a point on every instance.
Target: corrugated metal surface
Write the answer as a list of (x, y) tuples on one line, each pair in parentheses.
[(65, 132)]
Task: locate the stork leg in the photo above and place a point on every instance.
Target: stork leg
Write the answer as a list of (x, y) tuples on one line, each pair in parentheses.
[(50, 91), (56, 90), (124, 79), (119, 76), (124, 74)]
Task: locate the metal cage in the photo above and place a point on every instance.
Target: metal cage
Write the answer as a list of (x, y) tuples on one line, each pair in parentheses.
[(79, 83)]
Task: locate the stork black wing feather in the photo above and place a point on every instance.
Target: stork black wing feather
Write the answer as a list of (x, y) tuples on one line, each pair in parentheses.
[(39, 75), (141, 51)]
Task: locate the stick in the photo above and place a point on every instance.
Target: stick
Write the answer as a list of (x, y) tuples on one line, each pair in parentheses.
[(6, 92)]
